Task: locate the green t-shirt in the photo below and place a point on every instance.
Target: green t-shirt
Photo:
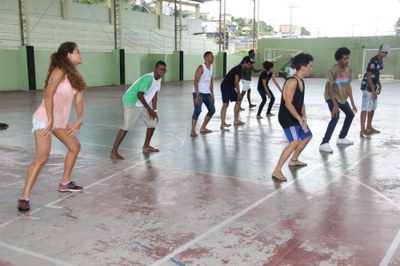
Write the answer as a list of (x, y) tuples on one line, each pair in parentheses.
[(143, 84)]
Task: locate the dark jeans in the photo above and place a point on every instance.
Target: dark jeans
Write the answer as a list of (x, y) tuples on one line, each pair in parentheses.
[(263, 95), (207, 100), (332, 124)]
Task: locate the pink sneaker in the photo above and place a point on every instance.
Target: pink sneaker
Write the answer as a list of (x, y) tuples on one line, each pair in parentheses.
[(70, 187)]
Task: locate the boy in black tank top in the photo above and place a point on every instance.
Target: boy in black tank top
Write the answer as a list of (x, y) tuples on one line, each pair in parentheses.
[(292, 115)]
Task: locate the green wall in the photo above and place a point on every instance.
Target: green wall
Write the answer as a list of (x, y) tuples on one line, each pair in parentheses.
[(323, 49)]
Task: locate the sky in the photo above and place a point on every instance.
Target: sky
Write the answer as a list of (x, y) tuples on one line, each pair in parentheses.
[(322, 18)]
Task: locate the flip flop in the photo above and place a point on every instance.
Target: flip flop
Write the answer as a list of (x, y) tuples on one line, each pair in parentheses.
[(150, 150), (116, 157), (205, 131), (297, 164), (278, 179)]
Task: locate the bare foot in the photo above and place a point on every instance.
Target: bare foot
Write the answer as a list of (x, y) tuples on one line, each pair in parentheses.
[(278, 175), (116, 156), (270, 114), (296, 162), (373, 130), (150, 149), (364, 133), (225, 125), (205, 131), (239, 123), (193, 134), (259, 117)]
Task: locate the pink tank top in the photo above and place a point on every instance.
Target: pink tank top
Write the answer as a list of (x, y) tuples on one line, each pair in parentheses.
[(62, 105)]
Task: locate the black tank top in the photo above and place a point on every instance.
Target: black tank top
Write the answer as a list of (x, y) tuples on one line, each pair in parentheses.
[(286, 119)]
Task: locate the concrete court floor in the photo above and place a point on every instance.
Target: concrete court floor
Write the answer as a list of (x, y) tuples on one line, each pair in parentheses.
[(208, 200)]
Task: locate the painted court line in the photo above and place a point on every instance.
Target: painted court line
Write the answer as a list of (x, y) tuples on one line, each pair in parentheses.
[(243, 212), (390, 252), (34, 254)]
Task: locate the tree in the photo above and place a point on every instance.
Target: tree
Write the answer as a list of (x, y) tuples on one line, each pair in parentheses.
[(304, 32), (397, 27)]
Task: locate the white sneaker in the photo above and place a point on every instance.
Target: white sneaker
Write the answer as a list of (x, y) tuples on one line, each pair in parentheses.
[(344, 141), (325, 148)]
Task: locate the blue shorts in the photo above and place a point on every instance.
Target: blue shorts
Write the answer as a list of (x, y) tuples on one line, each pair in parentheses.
[(297, 133), (229, 94)]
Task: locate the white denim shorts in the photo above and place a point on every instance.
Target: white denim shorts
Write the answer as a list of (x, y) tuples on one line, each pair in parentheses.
[(246, 84), (368, 102), (37, 125)]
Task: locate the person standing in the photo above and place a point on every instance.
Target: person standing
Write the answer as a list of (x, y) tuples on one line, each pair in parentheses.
[(230, 90), (371, 87), (63, 85), (203, 92), (246, 79), (292, 115), (136, 102), (337, 91), (264, 89)]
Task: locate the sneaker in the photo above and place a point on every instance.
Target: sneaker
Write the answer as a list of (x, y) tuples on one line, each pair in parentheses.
[(23, 207), (71, 186), (344, 141), (325, 148)]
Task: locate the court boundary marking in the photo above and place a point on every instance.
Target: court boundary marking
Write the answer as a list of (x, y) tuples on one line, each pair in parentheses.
[(241, 213)]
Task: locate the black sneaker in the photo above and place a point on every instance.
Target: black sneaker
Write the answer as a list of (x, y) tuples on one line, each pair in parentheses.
[(23, 207), (3, 126), (71, 186)]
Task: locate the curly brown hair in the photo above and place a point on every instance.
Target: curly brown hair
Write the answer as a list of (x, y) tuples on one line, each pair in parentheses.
[(60, 60)]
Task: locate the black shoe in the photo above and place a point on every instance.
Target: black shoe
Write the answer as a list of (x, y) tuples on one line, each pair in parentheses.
[(3, 126), (23, 207)]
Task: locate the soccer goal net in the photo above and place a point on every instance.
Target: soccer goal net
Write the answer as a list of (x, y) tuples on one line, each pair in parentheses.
[(391, 63)]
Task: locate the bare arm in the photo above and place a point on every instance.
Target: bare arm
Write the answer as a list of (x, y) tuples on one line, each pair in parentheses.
[(212, 88), (264, 83), (55, 78), (197, 75), (152, 113), (371, 85), (237, 86), (276, 83), (350, 93), (331, 92), (76, 125)]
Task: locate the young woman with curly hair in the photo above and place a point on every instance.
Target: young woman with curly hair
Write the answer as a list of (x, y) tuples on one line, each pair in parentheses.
[(63, 85)]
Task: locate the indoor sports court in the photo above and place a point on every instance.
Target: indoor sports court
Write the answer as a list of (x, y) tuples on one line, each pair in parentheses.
[(208, 200)]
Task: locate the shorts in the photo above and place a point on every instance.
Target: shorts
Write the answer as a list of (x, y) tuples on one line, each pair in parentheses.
[(229, 94), (38, 125), (131, 115), (246, 84), (297, 133), (368, 102)]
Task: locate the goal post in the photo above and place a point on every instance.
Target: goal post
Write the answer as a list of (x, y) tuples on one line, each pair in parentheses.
[(280, 57), (391, 63)]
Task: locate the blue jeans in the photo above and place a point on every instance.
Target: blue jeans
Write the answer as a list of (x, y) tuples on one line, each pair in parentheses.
[(206, 99), (332, 124), (263, 95)]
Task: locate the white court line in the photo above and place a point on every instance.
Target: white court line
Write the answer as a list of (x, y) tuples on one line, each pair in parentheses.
[(389, 254), (237, 215), (374, 190), (395, 243), (34, 254), (244, 211)]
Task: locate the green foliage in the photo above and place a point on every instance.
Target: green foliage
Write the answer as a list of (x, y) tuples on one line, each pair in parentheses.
[(397, 27), (304, 31)]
